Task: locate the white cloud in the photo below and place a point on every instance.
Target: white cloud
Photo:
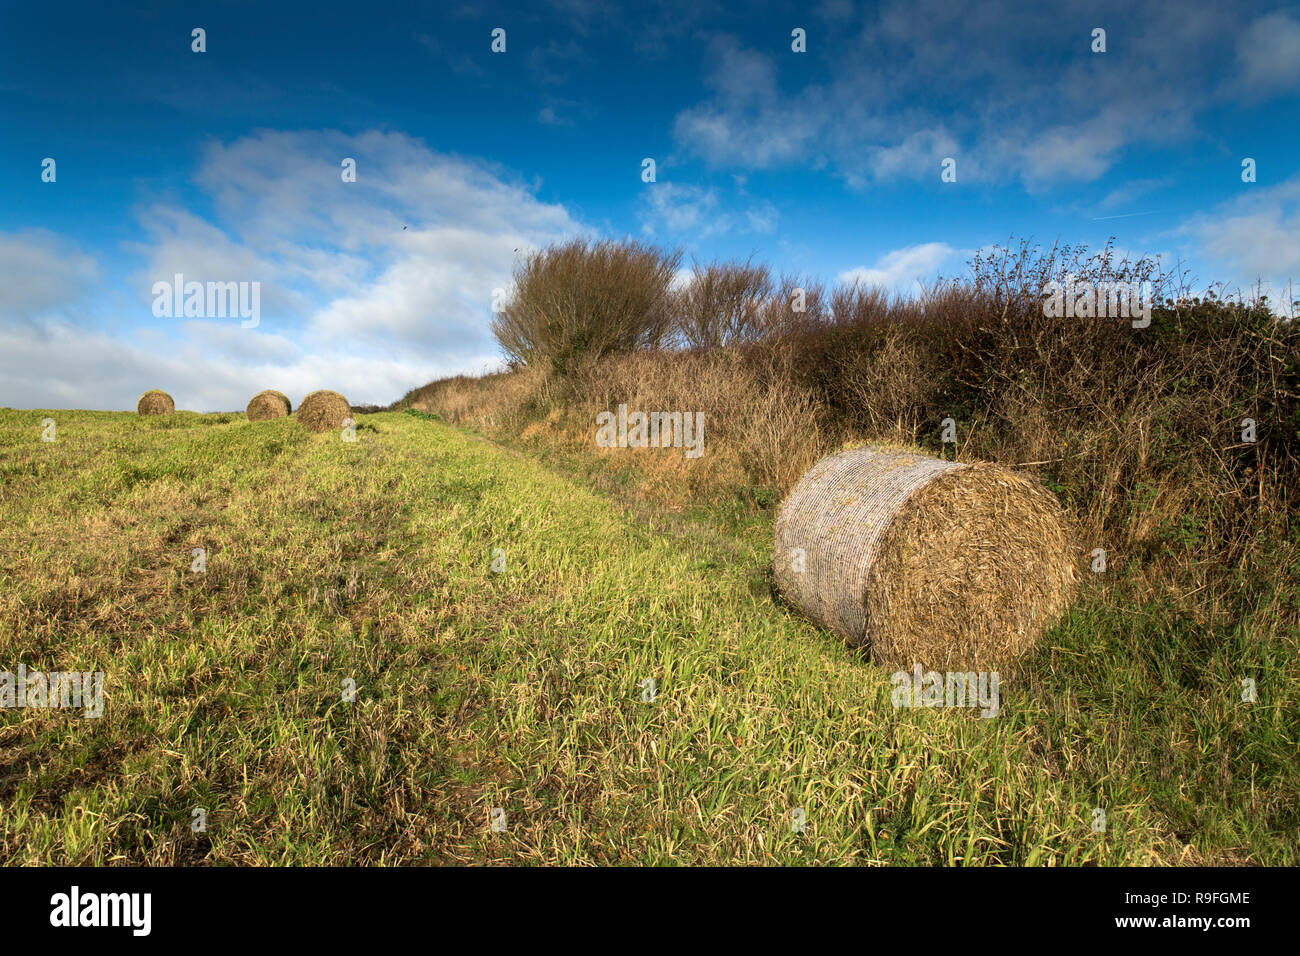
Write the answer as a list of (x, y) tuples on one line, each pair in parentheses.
[(1124, 195), (748, 123), (351, 299), (681, 207), (684, 208), (904, 270), (1254, 238), (62, 366), (919, 155)]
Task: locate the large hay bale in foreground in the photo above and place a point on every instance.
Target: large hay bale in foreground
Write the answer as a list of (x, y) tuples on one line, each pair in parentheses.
[(922, 561), (268, 404), (324, 410), (155, 402)]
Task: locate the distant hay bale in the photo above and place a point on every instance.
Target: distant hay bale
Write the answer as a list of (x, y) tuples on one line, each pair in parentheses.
[(268, 404), (922, 561), (155, 402), (324, 410)]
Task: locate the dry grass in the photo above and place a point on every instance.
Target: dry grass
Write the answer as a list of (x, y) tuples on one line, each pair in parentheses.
[(323, 411), (155, 402), (268, 404), (923, 561), (487, 402), (971, 574)]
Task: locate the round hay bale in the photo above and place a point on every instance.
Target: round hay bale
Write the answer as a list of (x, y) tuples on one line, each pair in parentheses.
[(324, 410), (268, 404), (922, 561), (155, 402)]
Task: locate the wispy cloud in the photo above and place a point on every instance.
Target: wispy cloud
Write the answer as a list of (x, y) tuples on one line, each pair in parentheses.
[(43, 275), (1254, 239), (1036, 103), (684, 210), (905, 270)]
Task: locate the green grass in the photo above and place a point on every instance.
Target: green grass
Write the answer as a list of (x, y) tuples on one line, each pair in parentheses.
[(371, 561)]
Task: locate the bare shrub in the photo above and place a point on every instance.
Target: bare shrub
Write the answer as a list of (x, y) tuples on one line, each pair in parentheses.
[(797, 304), (723, 304), (855, 303), (584, 299)]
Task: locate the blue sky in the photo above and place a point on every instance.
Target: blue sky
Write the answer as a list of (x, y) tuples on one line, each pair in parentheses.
[(225, 165)]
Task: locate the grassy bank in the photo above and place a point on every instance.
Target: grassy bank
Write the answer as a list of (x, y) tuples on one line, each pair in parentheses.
[(1172, 438)]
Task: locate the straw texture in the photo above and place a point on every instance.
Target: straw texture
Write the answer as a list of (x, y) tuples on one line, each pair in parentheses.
[(323, 411), (155, 402), (924, 561), (268, 404)]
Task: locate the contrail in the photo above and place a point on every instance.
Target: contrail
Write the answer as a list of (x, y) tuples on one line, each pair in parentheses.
[(1124, 216)]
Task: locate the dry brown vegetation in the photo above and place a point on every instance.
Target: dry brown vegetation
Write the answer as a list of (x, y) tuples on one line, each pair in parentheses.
[(922, 561), (155, 402), (1137, 430), (722, 304), (323, 410), (1115, 415), (268, 404), (587, 299)]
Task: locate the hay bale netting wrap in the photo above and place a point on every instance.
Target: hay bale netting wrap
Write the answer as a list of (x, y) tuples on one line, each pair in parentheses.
[(922, 561), (324, 410), (155, 402), (268, 404)]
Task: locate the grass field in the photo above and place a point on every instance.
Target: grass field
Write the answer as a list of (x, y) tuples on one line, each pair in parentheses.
[(524, 689)]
